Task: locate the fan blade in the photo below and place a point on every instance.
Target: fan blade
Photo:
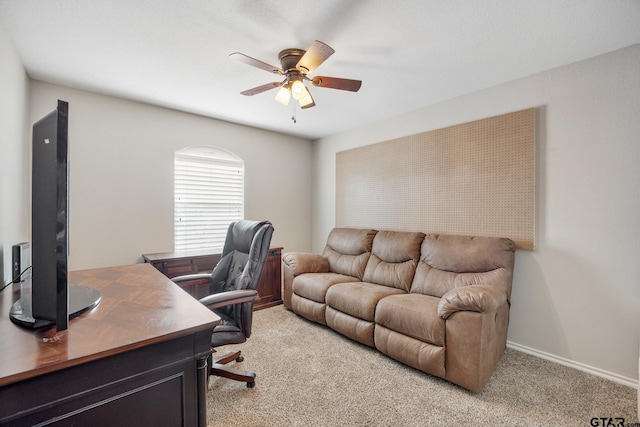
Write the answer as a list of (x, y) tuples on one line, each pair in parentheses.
[(255, 63), (337, 83), (260, 89), (316, 55)]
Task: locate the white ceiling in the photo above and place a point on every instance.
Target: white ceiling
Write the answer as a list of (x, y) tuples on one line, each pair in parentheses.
[(408, 53)]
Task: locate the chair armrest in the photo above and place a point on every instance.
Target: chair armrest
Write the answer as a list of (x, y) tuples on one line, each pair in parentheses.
[(229, 298), (302, 262), (471, 298), (191, 277)]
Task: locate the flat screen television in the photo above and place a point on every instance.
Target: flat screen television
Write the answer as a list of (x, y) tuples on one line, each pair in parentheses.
[(50, 300)]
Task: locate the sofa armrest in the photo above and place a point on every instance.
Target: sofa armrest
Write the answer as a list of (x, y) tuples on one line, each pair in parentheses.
[(471, 298), (302, 262)]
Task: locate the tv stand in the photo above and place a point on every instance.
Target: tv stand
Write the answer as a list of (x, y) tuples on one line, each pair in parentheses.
[(81, 299)]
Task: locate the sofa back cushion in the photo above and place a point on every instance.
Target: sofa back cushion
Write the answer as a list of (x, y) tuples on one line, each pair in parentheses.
[(348, 250), (448, 262), (393, 260)]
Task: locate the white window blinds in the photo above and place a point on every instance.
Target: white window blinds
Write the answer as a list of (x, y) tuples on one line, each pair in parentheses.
[(209, 195)]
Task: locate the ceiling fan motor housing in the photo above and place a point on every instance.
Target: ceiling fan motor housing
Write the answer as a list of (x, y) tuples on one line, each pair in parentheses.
[(289, 59)]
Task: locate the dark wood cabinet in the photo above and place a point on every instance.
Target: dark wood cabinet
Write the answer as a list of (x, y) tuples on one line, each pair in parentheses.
[(173, 264), (270, 286)]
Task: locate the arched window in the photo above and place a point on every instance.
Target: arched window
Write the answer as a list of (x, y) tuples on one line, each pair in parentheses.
[(209, 195)]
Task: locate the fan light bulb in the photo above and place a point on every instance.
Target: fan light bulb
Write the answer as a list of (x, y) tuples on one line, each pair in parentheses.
[(283, 96), (298, 90)]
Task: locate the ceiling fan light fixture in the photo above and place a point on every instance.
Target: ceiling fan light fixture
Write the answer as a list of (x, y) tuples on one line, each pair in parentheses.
[(295, 65), (298, 90), (284, 95), (306, 100)]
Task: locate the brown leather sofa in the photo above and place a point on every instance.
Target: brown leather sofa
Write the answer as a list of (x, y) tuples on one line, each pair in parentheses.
[(438, 303)]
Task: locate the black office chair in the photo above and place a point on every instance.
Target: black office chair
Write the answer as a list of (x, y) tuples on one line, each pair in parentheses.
[(233, 287)]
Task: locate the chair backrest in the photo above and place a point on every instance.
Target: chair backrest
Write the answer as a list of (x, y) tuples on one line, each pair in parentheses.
[(247, 243)]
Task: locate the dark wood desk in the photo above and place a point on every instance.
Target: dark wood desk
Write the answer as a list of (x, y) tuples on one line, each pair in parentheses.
[(137, 359)]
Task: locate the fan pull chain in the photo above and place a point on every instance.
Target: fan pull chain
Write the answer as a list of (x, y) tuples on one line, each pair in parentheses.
[(293, 112)]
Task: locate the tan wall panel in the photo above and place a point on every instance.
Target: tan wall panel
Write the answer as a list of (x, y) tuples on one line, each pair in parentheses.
[(476, 178)]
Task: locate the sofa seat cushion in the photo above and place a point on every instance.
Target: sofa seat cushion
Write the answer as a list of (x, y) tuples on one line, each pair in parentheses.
[(358, 299), (314, 286), (413, 315), (312, 310), (349, 326), (426, 357)]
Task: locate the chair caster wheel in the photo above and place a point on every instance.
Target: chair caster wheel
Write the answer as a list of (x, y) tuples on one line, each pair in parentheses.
[(251, 384), (239, 359)]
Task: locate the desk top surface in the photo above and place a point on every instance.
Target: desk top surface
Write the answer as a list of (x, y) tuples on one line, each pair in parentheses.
[(139, 307)]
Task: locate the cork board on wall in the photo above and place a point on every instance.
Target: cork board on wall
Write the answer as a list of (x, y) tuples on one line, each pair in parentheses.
[(476, 179)]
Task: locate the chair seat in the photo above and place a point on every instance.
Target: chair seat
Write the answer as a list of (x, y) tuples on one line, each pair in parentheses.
[(226, 321), (227, 332)]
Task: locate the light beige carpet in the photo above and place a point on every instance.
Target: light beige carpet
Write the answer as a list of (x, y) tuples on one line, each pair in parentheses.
[(309, 375)]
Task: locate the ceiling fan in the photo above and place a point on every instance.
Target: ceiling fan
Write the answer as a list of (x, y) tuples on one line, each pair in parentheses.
[(296, 64)]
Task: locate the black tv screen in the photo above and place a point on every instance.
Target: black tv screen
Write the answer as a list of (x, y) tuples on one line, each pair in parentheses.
[(50, 300), (50, 183)]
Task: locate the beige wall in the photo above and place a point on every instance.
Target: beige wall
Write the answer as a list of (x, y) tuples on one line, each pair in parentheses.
[(575, 298), (121, 174), (14, 215)]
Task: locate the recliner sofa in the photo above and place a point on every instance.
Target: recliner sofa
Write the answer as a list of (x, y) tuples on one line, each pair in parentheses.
[(438, 303)]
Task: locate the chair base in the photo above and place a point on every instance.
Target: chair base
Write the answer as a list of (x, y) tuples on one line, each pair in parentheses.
[(219, 368)]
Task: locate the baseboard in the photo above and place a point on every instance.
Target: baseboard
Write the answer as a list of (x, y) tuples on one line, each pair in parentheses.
[(576, 365)]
